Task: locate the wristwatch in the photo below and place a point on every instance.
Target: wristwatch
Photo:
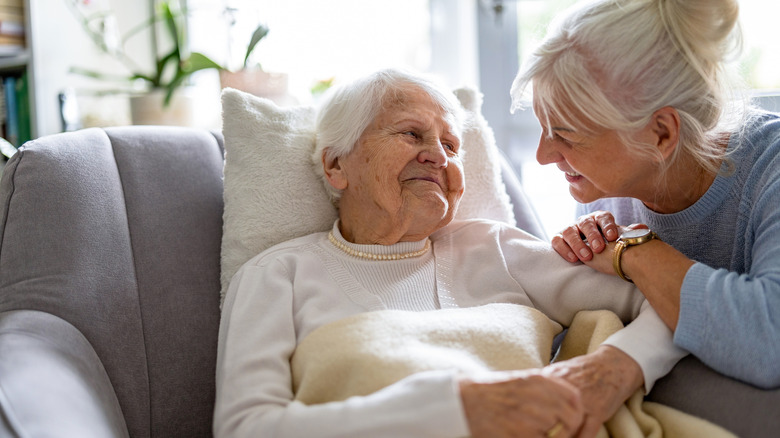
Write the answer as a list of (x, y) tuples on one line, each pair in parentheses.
[(626, 239)]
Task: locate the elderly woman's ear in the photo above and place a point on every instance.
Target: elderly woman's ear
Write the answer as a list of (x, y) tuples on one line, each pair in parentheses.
[(333, 171)]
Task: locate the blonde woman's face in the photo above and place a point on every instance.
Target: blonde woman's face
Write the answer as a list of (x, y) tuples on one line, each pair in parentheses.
[(404, 178), (596, 165)]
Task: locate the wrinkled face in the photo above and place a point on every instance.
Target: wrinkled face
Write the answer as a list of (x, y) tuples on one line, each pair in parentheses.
[(596, 165), (404, 178)]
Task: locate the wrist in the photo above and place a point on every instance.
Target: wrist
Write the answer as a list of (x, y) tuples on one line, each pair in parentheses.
[(627, 240), (624, 367)]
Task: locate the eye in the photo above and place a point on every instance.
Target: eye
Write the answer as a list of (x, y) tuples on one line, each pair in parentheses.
[(412, 134), (558, 137)]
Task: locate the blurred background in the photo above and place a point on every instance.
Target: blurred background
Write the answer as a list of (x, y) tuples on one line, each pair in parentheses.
[(71, 64)]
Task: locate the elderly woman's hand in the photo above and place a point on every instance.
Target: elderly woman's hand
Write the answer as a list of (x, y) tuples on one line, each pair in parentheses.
[(521, 403), (605, 378)]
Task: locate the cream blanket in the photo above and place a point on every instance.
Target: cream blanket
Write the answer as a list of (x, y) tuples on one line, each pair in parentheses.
[(363, 353)]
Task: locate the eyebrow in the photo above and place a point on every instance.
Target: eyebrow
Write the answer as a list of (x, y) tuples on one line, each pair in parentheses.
[(558, 128)]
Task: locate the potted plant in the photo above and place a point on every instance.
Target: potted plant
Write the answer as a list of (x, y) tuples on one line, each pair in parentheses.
[(163, 99), (251, 78)]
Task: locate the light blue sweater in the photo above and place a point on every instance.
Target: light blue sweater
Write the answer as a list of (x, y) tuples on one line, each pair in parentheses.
[(730, 299)]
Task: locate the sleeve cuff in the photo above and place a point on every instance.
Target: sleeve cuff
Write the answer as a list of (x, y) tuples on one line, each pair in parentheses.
[(649, 342)]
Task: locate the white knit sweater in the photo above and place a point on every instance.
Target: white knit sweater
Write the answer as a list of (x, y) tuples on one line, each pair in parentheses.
[(281, 295)]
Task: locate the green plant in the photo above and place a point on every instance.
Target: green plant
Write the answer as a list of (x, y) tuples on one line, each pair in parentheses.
[(260, 32), (171, 68)]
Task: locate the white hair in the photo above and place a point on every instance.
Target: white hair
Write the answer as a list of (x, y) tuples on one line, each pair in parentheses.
[(610, 64), (349, 109)]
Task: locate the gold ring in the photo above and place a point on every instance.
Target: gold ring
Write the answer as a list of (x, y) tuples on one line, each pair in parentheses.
[(554, 430)]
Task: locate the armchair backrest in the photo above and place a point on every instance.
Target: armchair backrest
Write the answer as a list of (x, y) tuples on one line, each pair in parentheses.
[(118, 232)]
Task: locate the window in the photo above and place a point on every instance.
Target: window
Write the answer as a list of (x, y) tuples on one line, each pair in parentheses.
[(313, 40)]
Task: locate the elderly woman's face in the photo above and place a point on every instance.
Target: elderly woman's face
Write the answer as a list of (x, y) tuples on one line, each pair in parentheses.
[(404, 178)]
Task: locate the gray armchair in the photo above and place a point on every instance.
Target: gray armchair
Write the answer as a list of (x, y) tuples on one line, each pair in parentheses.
[(109, 284), (109, 291)]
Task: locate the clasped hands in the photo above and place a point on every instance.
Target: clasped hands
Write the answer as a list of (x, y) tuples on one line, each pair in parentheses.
[(572, 398), (588, 238)]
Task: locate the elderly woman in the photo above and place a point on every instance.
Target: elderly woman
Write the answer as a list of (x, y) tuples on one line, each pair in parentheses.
[(634, 107), (389, 148)]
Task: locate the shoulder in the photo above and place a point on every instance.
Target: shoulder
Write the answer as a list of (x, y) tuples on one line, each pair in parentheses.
[(290, 248), (480, 231), (757, 154), (759, 136)]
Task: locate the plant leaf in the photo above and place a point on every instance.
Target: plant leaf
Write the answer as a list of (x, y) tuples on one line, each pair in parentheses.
[(171, 58), (173, 28), (257, 35), (198, 61)]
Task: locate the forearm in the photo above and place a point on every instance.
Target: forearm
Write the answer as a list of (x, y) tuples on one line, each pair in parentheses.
[(728, 321), (424, 404), (657, 269)]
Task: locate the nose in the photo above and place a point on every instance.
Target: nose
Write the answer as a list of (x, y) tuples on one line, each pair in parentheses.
[(546, 152), (433, 152)]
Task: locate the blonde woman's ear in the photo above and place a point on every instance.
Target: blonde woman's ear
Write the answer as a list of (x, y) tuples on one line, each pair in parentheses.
[(665, 124)]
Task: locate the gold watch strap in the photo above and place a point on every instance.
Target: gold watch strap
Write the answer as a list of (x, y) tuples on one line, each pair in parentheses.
[(617, 254), (621, 245)]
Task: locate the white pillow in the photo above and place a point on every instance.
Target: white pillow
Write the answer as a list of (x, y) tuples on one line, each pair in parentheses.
[(273, 194)]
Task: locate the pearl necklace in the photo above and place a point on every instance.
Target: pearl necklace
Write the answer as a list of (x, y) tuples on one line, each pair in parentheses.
[(372, 256)]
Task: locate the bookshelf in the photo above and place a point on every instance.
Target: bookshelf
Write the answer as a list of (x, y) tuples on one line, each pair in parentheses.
[(17, 109)]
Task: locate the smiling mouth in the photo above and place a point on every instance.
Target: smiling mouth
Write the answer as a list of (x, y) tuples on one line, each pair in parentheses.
[(572, 174), (424, 178)]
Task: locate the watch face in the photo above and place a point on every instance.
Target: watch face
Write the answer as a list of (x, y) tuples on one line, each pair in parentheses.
[(635, 234)]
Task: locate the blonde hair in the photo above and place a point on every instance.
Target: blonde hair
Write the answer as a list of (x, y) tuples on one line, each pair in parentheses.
[(349, 109), (610, 64)]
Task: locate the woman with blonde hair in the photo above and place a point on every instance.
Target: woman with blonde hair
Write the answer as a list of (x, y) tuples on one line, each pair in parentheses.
[(636, 110)]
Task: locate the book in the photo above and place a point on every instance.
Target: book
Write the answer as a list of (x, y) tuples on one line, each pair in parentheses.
[(12, 14), (10, 50), (11, 28), (12, 117), (23, 110), (12, 3), (11, 45), (11, 40)]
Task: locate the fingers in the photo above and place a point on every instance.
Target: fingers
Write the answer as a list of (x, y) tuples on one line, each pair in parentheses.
[(590, 428), (564, 249), (598, 228), (562, 410), (588, 235)]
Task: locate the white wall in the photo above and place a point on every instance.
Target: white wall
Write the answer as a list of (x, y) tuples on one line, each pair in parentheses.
[(58, 43)]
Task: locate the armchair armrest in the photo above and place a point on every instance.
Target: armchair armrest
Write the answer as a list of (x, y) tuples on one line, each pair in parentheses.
[(695, 388), (52, 382)]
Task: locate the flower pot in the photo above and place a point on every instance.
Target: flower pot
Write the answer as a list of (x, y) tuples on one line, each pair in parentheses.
[(148, 108), (258, 82)]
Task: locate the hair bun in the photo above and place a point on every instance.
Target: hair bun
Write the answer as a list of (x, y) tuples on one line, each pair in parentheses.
[(702, 29)]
